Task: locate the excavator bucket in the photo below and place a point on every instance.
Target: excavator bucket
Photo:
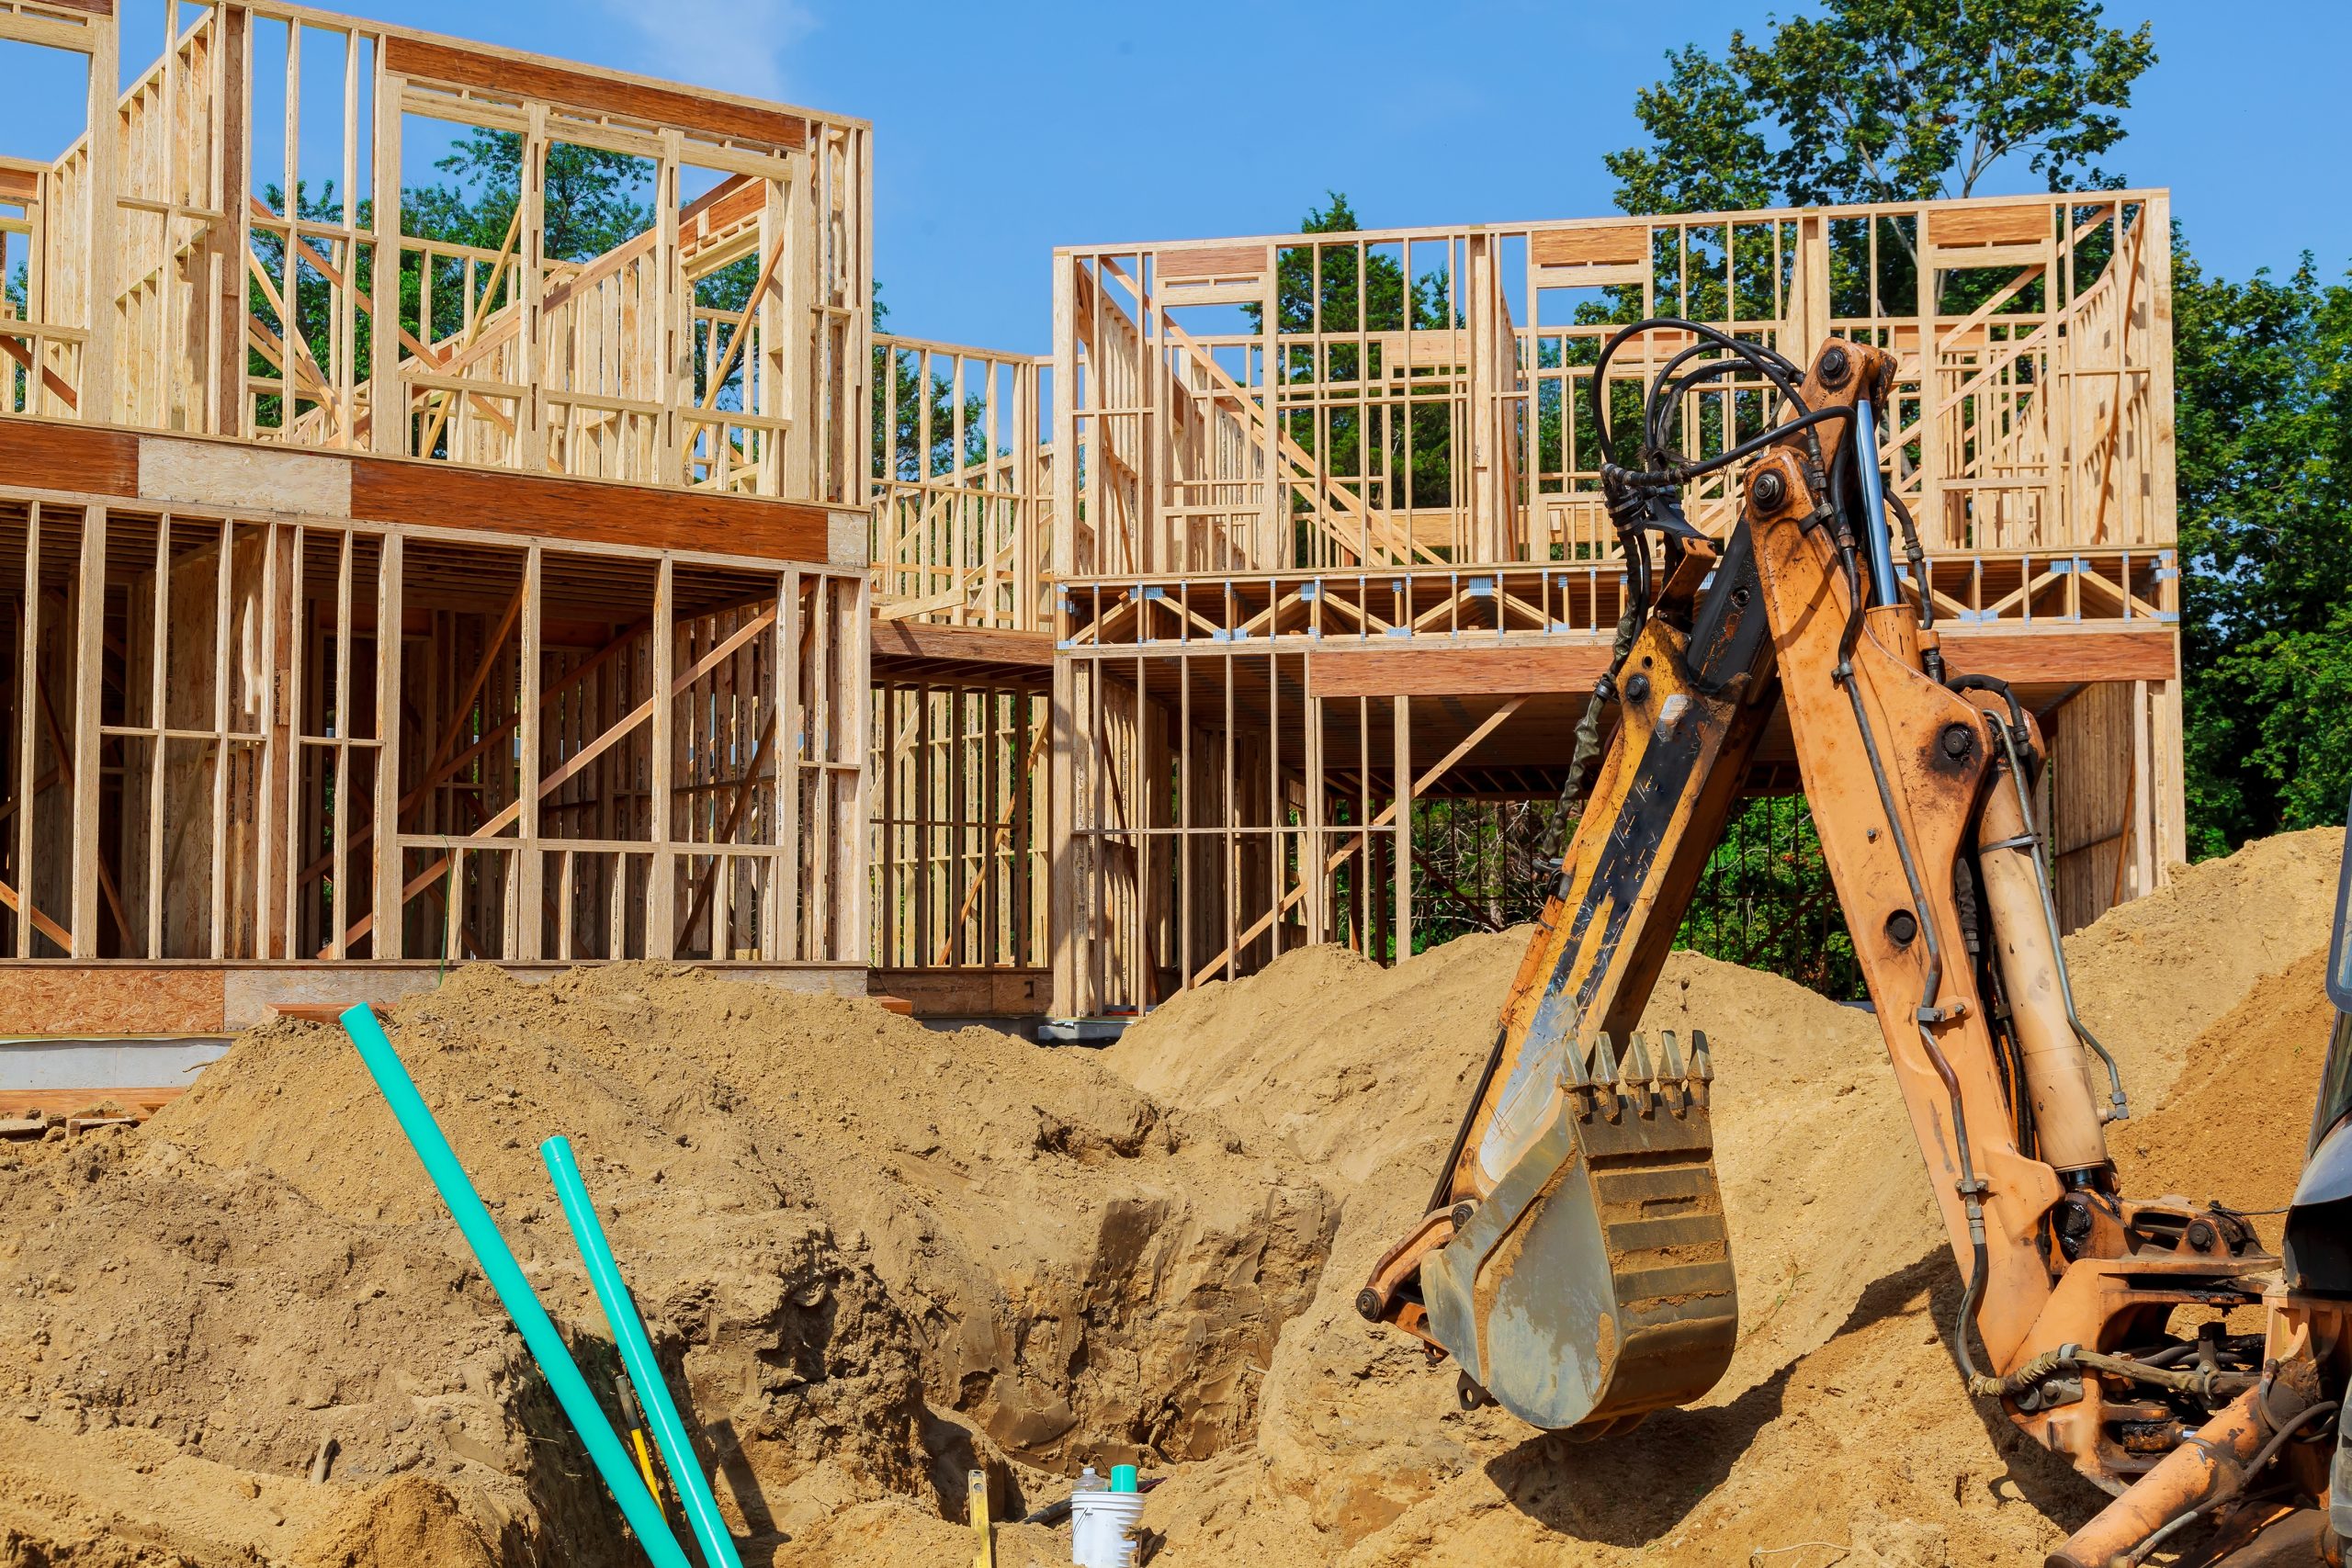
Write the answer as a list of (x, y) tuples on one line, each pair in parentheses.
[(1594, 1284)]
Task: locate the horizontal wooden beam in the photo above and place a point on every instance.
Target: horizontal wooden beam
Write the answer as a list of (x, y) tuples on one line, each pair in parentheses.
[(42, 454), (392, 490), (2063, 653), (645, 102), (1517, 670), (2057, 654), (916, 653), (242, 477), (966, 993)]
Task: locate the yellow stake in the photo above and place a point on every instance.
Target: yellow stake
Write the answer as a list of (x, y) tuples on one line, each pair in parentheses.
[(645, 1463), (976, 1492)]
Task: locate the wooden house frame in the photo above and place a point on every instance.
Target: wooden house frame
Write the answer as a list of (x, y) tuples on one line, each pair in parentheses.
[(564, 657)]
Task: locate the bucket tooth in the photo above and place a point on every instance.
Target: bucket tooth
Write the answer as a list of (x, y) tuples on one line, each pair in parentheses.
[(1640, 1076), (1604, 1075), (1702, 1066), (1576, 1080), (1671, 1074)]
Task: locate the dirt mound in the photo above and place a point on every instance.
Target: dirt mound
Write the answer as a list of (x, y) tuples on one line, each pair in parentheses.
[(2151, 975), (2264, 1052), (1840, 1423), (871, 1253)]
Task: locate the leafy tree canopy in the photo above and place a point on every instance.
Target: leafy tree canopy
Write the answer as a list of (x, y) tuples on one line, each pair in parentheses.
[(1884, 100), (2264, 435)]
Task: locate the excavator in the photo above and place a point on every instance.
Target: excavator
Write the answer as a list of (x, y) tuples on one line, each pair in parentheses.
[(1573, 1261)]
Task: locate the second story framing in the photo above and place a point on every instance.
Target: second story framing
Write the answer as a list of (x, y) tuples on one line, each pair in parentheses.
[(211, 262)]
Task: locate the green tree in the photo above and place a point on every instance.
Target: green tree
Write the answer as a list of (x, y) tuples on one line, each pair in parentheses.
[(899, 399), (1885, 100), (2264, 436), (1339, 286)]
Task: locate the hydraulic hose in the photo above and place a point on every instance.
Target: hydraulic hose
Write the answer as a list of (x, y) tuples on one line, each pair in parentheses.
[(1971, 1190), (2208, 1384)]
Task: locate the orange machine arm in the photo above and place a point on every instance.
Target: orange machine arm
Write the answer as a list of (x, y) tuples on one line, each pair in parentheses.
[(1574, 1261)]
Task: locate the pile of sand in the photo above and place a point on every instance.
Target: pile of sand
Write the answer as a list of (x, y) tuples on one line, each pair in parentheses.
[(1840, 1420), (872, 1255), (872, 1252)]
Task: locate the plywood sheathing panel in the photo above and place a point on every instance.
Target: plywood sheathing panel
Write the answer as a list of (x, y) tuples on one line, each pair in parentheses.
[(109, 1001), (241, 478)]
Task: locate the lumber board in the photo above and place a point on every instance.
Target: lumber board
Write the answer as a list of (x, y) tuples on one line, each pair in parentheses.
[(2023, 223), (449, 63), (139, 1103), (1212, 261), (903, 649), (47, 455), (1621, 244), (1523, 670), (103, 1001), (966, 993), (2069, 656), (409, 491)]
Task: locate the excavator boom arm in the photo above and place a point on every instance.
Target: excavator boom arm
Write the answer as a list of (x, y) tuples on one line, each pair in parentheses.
[(1573, 1259)]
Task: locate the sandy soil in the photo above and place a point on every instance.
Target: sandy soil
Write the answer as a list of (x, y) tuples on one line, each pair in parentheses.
[(873, 1256)]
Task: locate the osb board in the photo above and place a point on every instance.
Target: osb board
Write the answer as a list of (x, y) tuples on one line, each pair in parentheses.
[(642, 101), (92, 1001), (239, 478)]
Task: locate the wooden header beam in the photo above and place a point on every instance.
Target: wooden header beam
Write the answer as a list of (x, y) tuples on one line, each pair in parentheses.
[(165, 471)]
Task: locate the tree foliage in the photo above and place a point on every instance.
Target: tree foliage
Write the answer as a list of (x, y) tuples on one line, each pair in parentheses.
[(1341, 287), (1885, 100), (2264, 435)]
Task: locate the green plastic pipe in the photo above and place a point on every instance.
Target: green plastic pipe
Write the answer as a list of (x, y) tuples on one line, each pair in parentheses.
[(505, 1276), (637, 1355)]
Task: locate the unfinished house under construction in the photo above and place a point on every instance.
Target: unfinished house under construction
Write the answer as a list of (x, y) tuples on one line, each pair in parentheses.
[(380, 599), (722, 629)]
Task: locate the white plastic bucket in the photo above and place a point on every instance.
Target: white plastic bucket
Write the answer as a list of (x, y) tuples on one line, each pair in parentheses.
[(1103, 1528)]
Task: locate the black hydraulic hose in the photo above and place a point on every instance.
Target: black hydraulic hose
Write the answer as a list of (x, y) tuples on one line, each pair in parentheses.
[(1971, 1190), (1773, 366), (1758, 443), (1915, 556), (1665, 399)]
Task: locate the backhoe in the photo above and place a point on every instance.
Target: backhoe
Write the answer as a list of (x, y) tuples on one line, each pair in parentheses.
[(1573, 1259)]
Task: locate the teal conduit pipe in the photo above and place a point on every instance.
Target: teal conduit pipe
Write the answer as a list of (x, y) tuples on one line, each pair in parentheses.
[(505, 1276), (637, 1355)]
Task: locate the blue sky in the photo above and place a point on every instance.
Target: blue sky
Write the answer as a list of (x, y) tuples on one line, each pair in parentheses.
[(1003, 130)]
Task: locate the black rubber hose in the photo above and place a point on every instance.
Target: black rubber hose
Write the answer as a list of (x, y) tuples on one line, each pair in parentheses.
[(1774, 366)]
